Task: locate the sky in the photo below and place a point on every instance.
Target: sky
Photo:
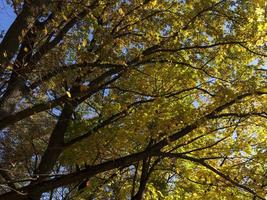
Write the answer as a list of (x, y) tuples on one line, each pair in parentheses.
[(7, 16)]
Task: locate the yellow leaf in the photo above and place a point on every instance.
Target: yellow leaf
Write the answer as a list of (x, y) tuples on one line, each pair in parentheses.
[(153, 3), (68, 93), (46, 31), (84, 42), (26, 49), (121, 12), (5, 54), (9, 67), (65, 17)]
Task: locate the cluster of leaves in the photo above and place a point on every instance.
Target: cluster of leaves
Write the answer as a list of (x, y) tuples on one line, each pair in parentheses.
[(136, 99)]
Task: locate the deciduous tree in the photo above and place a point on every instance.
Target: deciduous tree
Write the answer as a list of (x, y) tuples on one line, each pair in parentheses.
[(136, 99)]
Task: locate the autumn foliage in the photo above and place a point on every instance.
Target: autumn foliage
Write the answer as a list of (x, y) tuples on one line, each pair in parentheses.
[(134, 99)]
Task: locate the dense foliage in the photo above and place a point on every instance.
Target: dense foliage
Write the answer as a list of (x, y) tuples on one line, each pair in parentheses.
[(134, 99)]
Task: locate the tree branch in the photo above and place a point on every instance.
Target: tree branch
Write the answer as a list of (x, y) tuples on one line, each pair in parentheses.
[(14, 35), (202, 162)]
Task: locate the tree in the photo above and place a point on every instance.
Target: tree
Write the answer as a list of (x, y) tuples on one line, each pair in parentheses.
[(139, 99)]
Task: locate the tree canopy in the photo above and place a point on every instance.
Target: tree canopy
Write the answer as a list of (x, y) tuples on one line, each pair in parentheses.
[(134, 99)]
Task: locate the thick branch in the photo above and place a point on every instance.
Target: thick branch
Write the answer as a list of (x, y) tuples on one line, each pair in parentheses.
[(143, 180), (78, 95), (56, 141), (10, 43)]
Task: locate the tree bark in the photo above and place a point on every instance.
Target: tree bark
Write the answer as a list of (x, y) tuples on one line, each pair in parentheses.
[(12, 39)]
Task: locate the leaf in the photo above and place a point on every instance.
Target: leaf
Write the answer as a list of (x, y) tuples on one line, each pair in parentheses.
[(121, 12), (65, 17), (153, 3), (45, 31), (84, 43), (68, 94), (10, 67)]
